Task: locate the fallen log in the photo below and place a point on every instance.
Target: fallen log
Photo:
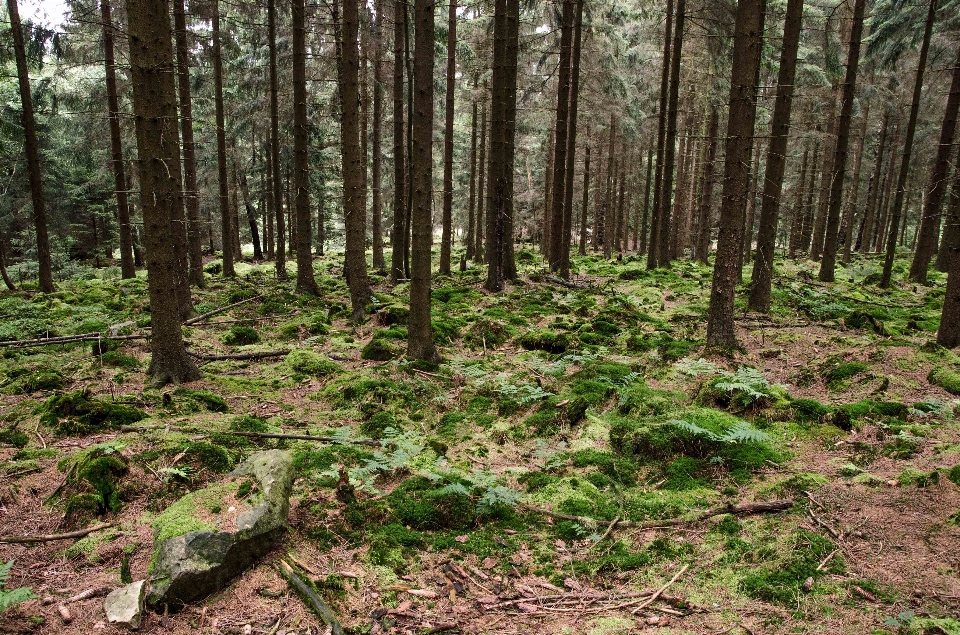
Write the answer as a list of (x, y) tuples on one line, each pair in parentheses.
[(743, 509), (261, 435), (51, 537), (311, 599), (239, 356), (223, 309), (69, 339)]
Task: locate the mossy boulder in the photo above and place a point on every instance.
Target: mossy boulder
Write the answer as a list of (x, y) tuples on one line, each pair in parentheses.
[(209, 536), (380, 350), (310, 363), (545, 340), (394, 314), (240, 335), (947, 379)]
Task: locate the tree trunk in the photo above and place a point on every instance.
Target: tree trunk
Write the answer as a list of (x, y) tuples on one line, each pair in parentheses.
[(397, 269), (353, 168), (559, 163), (420, 341), (806, 235), (654, 247), (226, 231), (607, 229), (510, 133), (874, 188), (306, 283), (251, 214), (545, 239), (747, 246), (829, 262), (472, 207), (408, 208), (930, 218), (571, 141), (883, 205), (949, 334), (951, 226), (155, 112), (706, 204), (3, 267), (280, 234), (850, 214), (648, 183), (796, 222), (586, 199), (663, 238), (376, 185), (127, 268), (447, 220), (32, 150), (271, 215), (747, 49), (907, 148), (478, 251)]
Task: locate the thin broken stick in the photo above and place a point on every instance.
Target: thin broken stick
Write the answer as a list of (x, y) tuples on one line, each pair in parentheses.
[(659, 591), (311, 599), (51, 537), (742, 509)]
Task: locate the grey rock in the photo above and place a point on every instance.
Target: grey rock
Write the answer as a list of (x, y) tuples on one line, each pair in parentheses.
[(202, 560), (124, 606)]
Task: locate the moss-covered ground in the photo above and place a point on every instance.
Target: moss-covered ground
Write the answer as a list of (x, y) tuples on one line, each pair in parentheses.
[(595, 403)]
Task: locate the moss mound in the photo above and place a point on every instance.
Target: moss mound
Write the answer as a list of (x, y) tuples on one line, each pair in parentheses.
[(946, 378), (241, 335), (545, 340), (380, 350), (77, 413), (309, 363), (92, 480), (423, 504)]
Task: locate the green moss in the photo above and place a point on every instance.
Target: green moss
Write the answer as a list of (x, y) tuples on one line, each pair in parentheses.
[(544, 340), (876, 409), (25, 381), (394, 314), (99, 469), (241, 335), (380, 350), (953, 474), (310, 363), (534, 481), (249, 423), (946, 378), (779, 580), (179, 519), (837, 375), (77, 413), (376, 425), (422, 504), (487, 333), (27, 454), (913, 477), (12, 436), (204, 399), (809, 410), (116, 359), (213, 457), (683, 473), (450, 423), (619, 468)]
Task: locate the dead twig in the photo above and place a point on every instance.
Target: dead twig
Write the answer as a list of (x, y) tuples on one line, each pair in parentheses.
[(239, 356), (51, 537), (204, 316), (311, 599), (742, 509), (659, 591)]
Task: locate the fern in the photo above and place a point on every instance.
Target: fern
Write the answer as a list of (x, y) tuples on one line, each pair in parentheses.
[(745, 387), (694, 367), (694, 429), (9, 597), (741, 432)]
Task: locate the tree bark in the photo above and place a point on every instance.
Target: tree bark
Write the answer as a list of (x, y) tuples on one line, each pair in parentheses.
[(571, 141), (398, 270), (127, 268), (155, 112), (306, 283), (874, 188), (883, 205), (420, 341), (478, 252), (796, 221), (32, 150), (806, 235), (447, 220), (559, 182), (850, 213), (706, 204), (607, 225), (930, 218), (225, 225), (280, 233), (586, 199), (251, 213), (951, 226), (747, 50), (663, 238), (376, 185), (653, 252), (829, 262), (647, 185), (472, 206), (908, 148), (353, 168), (949, 334)]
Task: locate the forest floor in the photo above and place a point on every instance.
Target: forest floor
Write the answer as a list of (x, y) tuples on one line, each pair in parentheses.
[(592, 402)]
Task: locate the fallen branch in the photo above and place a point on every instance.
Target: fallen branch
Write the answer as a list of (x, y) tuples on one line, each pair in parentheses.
[(744, 509), (204, 316), (239, 356), (69, 339), (659, 591), (259, 435), (310, 598), (51, 537), (564, 283)]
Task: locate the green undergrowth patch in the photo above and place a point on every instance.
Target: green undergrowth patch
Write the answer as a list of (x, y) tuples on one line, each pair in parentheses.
[(240, 336), (77, 413), (946, 378), (190, 401), (91, 486), (307, 363)]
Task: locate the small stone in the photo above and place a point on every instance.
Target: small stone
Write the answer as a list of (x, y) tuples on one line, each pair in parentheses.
[(808, 585), (124, 606)]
